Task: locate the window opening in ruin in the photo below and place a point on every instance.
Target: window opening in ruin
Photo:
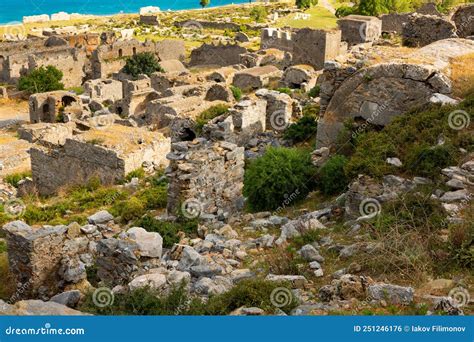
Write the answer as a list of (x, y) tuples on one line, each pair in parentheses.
[(120, 53), (67, 100)]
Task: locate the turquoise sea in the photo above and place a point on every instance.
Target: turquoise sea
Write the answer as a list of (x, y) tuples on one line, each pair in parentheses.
[(14, 10)]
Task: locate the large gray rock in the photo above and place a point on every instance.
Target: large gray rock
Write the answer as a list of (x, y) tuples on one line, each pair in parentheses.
[(189, 258), (102, 216), (37, 308), (154, 281), (309, 253), (393, 294), (150, 244), (68, 298)]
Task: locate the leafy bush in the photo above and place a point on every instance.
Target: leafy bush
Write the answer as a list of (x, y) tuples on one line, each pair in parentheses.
[(142, 63), (283, 260), (331, 176), (128, 210), (249, 293), (168, 230), (258, 13), (304, 129), (344, 11), (429, 161), (305, 4), (41, 80), (237, 92), (145, 301), (138, 173), (284, 90), (314, 92), (461, 245), (209, 114), (278, 174)]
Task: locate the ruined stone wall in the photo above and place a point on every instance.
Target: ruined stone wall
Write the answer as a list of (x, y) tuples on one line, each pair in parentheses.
[(78, 161), (206, 177), (314, 47), (357, 29), (464, 20), (34, 258), (278, 39), (222, 55), (393, 22), (71, 61), (109, 59), (421, 30)]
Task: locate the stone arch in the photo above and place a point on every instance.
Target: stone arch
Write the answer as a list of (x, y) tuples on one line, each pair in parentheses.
[(67, 100), (378, 94)]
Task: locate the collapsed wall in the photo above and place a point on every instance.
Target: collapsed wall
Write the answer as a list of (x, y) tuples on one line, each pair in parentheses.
[(206, 178), (109, 153)]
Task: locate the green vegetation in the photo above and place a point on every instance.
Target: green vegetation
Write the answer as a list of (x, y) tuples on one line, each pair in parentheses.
[(41, 80), (303, 130), (142, 63), (204, 3), (258, 13), (15, 178), (284, 90), (318, 18), (209, 114), (170, 231), (280, 174), (314, 92), (305, 4), (413, 138), (331, 176), (237, 92), (248, 293)]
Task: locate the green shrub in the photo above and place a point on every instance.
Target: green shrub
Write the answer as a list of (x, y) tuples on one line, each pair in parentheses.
[(311, 109), (314, 92), (277, 175), (284, 90), (209, 114), (14, 178), (169, 231), (461, 245), (429, 161), (305, 4), (236, 92), (142, 63), (41, 80), (304, 129), (258, 13), (344, 11), (138, 173), (249, 293), (128, 210), (332, 177)]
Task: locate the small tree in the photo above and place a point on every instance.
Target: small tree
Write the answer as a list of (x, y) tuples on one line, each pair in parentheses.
[(258, 13), (305, 4), (204, 3), (142, 63), (371, 7), (41, 80)]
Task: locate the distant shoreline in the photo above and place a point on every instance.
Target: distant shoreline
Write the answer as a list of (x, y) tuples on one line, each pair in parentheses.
[(91, 16)]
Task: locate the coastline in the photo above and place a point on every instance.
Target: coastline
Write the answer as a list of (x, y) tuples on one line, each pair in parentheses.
[(85, 16)]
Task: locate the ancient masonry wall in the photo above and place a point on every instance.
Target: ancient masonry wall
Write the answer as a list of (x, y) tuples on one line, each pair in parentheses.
[(208, 176)]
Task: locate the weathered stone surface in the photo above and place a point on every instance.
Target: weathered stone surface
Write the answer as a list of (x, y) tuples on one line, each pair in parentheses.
[(421, 30), (393, 294), (150, 244), (35, 257), (222, 55), (357, 29), (68, 298), (37, 308), (464, 20), (255, 78), (154, 281), (117, 261)]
